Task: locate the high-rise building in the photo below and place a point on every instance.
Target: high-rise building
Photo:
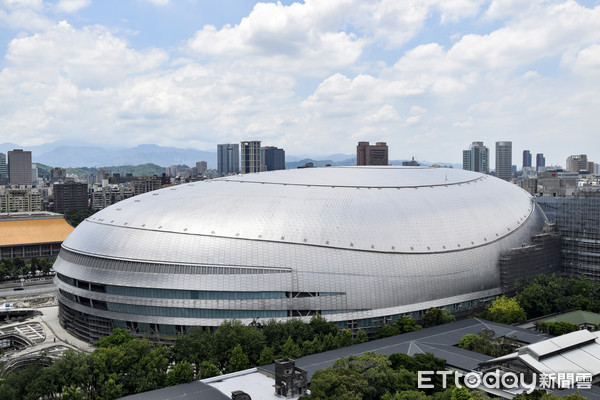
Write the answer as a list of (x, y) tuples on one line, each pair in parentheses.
[(144, 184), (20, 200), (228, 159), (504, 160), (3, 169), (579, 162), (70, 196), (172, 171), (34, 174), (367, 154), (201, 167), (58, 174), (540, 161), (272, 158), (526, 158), (411, 163), (102, 174), (477, 158), (250, 156), (19, 167)]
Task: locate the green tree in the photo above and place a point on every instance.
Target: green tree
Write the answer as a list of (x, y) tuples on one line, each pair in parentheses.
[(436, 316), (208, 370), (182, 372), (405, 395), (267, 356), (238, 360), (320, 326), (461, 394), (334, 383), (361, 336), (72, 393), (386, 331), (118, 337), (111, 390), (231, 333), (505, 310), (407, 324), (290, 349), (344, 338)]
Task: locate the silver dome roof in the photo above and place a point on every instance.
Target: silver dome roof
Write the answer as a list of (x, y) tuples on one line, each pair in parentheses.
[(375, 209)]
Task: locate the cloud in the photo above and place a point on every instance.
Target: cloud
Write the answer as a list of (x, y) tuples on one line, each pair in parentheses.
[(25, 14), (587, 61), (464, 124), (547, 32), (454, 11), (313, 74), (72, 6), (383, 114), (90, 58), (304, 38)]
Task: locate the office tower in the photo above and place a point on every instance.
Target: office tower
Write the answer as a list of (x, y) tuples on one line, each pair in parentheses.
[(526, 158), (58, 174), (34, 174), (272, 158), (3, 169), (144, 184), (172, 171), (250, 156), (201, 167), (540, 161), (228, 159), (579, 162), (504, 160), (70, 196), (19, 167), (477, 158), (367, 154), (411, 163), (102, 174)]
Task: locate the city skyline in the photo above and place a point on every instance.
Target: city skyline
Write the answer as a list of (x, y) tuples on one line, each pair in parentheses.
[(428, 78)]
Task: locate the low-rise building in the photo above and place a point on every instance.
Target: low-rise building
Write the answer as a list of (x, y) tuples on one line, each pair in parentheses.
[(28, 235)]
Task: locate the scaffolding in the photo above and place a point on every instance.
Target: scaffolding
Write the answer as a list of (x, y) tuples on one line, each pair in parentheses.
[(577, 220)]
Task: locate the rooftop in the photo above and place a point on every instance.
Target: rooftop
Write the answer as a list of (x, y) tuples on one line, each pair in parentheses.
[(20, 228)]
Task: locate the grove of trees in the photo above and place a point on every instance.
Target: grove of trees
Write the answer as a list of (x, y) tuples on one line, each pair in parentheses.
[(12, 268), (124, 364)]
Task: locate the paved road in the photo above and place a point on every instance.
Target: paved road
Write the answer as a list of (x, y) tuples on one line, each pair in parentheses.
[(29, 288)]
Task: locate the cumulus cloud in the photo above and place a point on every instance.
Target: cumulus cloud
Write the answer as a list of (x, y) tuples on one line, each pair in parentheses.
[(26, 14), (464, 124), (324, 73), (385, 113), (547, 32), (454, 11), (587, 61), (303, 38), (71, 6), (91, 57)]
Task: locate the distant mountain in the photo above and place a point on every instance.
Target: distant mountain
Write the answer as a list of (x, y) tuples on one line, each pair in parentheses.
[(320, 163), (75, 156), (68, 154)]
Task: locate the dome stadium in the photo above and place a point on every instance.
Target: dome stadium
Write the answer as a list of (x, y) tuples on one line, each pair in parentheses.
[(359, 245)]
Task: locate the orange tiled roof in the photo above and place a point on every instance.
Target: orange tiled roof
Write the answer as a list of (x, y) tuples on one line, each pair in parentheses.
[(34, 231)]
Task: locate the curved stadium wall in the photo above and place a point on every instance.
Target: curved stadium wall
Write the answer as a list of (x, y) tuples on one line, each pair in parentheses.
[(360, 245)]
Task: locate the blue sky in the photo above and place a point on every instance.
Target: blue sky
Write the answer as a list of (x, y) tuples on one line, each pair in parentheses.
[(428, 77)]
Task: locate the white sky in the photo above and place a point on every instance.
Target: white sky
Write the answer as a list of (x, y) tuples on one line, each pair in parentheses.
[(427, 76)]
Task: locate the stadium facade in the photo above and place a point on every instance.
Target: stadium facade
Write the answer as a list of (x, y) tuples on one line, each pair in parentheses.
[(360, 245)]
